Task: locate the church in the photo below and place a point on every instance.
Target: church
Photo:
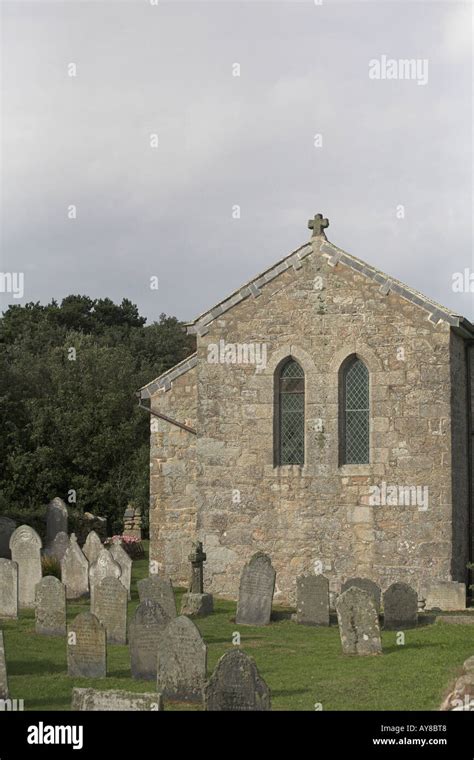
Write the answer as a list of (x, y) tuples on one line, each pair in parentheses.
[(324, 419)]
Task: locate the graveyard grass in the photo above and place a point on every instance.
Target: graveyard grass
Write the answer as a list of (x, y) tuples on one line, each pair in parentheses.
[(303, 666)]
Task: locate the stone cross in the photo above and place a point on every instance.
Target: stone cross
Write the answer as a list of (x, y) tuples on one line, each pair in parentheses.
[(197, 559), (318, 224)]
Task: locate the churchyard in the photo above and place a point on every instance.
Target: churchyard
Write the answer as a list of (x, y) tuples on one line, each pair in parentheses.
[(303, 666)]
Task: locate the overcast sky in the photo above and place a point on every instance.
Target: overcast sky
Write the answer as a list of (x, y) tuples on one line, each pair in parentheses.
[(225, 140)]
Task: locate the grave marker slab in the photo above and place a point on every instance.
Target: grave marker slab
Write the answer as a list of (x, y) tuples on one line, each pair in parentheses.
[(182, 661), (109, 605), (125, 562), (25, 546), (400, 606), (75, 571), (257, 584), (366, 585), (8, 589), (312, 600), (114, 700), (58, 547), (236, 686), (50, 607), (104, 567), (56, 519), (92, 547), (158, 589), (358, 622), (143, 636), (86, 647), (447, 596)]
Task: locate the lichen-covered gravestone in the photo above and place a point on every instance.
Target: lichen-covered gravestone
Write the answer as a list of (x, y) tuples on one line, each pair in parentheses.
[(358, 622), (58, 547), (121, 557), (109, 605), (25, 546), (56, 519), (75, 571), (50, 607), (92, 547), (236, 685), (400, 606), (7, 527), (3, 670), (104, 567), (8, 589), (116, 701), (182, 661), (312, 600), (366, 585), (158, 589), (86, 647), (143, 636), (257, 584)]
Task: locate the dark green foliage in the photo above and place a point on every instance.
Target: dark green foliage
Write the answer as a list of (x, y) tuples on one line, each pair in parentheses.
[(73, 424)]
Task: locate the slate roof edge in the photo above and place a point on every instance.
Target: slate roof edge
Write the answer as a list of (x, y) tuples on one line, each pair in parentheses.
[(163, 381)]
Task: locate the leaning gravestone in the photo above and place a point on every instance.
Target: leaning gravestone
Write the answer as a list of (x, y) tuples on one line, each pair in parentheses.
[(86, 647), (50, 608), (182, 661), (8, 589), (7, 527), (104, 567), (358, 622), (3, 670), (25, 545), (110, 607), (257, 584), (158, 589), (121, 557), (366, 585), (400, 607), (58, 547), (75, 571), (92, 547), (236, 685), (114, 700), (312, 600), (143, 636), (56, 519)]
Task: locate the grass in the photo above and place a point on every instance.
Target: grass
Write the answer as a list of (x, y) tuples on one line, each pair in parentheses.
[(302, 666)]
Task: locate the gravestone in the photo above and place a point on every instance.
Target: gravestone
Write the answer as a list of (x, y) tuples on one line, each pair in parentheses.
[(3, 670), (104, 567), (312, 600), (447, 596), (257, 584), (50, 608), (236, 685), (182, 661), (92, 547), (114, 700), (56, 519), (366, 585), (358, 622), (75, 571), (400, 607), (125, 562), (58, 547), (143, 636), (25, 546), (86, 647), (109, 605), (195, 602), (8, 589), (7, 527), (158, 589)]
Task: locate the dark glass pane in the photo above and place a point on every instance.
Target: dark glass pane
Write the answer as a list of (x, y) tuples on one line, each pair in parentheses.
[(291, 444), (356, 414)]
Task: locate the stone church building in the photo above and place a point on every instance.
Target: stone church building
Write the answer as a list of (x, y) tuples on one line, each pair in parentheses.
[(324, 419)]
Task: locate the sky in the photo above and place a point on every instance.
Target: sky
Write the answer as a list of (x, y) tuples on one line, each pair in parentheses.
[(188, 143)]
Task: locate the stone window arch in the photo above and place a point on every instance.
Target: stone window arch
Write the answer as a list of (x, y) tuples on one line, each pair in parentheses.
[(289, 417), (354, 411)]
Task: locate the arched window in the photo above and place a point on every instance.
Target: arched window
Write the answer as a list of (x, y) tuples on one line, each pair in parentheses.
[(290, 413), (354, 412)]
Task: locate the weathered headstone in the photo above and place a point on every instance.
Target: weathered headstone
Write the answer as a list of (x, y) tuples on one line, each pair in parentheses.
[(25, 546), (50, 608), (366, 585), (104, 567), (7, 527), (75, 571), (236, 685), (121, 557), (400, 607), (56, 519), (109, 605), (143, 636), (158, 589), (92, 547), (447, 596), (358, 622), (3, 670), (195, 602), (86, 647), (182, 661), (312, 600), (257, 584), (58, 547), (117, 701), (8, 589)]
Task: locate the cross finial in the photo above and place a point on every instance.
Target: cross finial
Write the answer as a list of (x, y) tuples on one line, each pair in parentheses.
[(318, 224)]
